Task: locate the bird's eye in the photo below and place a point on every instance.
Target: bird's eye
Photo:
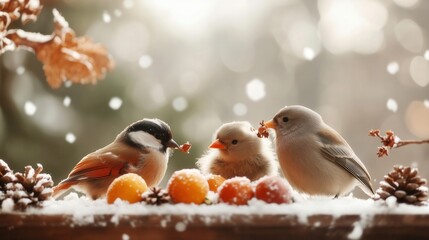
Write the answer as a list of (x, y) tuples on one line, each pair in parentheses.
[(285, 119), (234, 142)]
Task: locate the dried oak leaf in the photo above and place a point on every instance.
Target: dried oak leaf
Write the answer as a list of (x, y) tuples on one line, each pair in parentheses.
[(67, 57), (64, 56), (27, 10)]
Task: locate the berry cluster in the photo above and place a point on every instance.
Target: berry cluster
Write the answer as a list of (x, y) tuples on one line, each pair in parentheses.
[(190, 186)]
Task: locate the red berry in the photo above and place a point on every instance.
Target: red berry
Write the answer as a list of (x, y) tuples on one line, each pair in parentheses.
[(273, 189), (236, 191), (214, 181)]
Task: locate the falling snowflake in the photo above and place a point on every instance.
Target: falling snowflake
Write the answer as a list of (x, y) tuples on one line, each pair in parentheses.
[(125, 236), (392, 105), (308, 53), (392, 68), (67, 101), (255, 90), (406, 3), (239, 109), (426, 103), (180, 104), (115, 103), (128, 4), (117, 13), (30, 108), (70, 138), (106, 17), (20, 70), (68, 83), (426, 56), (180, 226), (145, 61)]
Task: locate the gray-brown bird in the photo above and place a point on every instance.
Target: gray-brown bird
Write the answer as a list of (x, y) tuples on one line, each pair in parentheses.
[(315, 158), (237, 151)]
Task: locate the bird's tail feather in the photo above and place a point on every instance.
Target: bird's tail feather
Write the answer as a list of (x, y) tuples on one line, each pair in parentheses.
[(61, 188)]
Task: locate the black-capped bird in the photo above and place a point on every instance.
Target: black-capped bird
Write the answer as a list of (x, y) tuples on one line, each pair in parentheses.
[(141, 148)]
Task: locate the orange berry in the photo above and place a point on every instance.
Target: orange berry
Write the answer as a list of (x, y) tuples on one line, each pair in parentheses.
[(214, 181), (236, 191), (128, 187), (188, 186), (273, 189)]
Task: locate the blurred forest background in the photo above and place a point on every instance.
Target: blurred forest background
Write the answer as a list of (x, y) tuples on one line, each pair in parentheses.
[(362, 64)]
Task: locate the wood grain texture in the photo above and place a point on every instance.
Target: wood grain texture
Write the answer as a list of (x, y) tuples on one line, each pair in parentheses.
[(23, 226)]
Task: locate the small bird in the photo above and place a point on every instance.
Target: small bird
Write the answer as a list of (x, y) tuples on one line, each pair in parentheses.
[(141, 148), (237, 151), (315, 158)]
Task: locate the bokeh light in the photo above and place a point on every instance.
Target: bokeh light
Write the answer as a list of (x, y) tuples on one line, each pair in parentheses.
[(417, 118), (409, 35), (348, 25)]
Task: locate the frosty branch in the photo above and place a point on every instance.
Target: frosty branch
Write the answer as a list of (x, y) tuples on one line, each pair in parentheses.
[(390, 140), (64, 56)]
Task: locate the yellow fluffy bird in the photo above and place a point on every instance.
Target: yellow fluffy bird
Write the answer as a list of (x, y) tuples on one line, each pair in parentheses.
[(237, 151)]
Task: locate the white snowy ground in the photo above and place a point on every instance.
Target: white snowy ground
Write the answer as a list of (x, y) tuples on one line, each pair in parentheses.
[(82, 208)]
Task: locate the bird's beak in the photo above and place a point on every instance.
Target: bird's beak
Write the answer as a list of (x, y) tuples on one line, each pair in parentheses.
[(270, 124), (172, 144), (217, 144)]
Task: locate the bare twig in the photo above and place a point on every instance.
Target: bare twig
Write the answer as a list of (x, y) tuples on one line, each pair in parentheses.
[(406, 142), (390, 140)]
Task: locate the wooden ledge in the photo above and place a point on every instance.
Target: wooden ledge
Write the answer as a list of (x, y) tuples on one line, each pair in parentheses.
[(383, 226)]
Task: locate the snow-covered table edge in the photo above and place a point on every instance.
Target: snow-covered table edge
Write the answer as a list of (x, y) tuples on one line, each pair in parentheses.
[(276, 226), (308, 218)]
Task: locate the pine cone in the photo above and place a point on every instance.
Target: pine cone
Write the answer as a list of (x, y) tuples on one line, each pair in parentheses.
[(4, 169), (28, 189), (156, 196), (405, 185)]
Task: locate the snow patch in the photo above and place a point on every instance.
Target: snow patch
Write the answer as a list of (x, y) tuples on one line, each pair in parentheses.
[(83, 210), (357, 231), (7, 205), (125, 236), (180, 226)]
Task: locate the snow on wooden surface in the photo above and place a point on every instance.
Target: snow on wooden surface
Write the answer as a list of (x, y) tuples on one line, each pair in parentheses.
[(306, 218), (82, 208)]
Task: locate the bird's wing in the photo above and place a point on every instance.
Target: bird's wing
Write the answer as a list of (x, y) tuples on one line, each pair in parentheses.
[(95, 166), (344, 157)]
